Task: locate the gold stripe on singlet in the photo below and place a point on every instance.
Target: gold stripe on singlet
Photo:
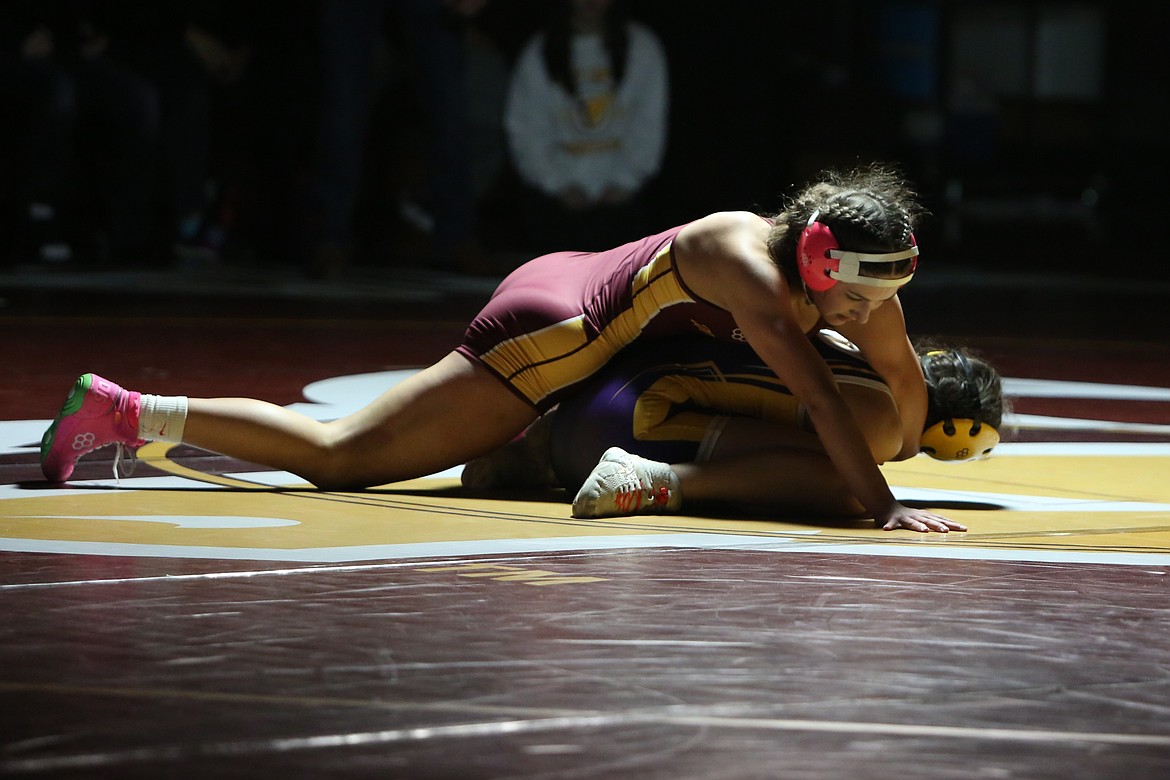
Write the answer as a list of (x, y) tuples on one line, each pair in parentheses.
[(540, 363), (703, 392)]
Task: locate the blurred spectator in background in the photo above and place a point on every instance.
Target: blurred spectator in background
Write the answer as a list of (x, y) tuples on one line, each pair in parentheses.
[(443, 205), (79, 136), (186, 50), (586, 122)]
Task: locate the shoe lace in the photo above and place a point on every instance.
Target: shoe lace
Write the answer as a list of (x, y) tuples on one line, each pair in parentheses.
[(636, 490), (128, 454), (628, 499)]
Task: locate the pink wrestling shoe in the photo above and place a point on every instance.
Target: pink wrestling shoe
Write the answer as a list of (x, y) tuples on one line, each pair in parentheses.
[(96, 413)]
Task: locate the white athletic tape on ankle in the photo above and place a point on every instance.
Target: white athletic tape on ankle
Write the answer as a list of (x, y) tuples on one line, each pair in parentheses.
[(162, 418)]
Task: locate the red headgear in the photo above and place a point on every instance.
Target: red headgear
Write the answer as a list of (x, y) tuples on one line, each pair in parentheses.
[(823, 263)]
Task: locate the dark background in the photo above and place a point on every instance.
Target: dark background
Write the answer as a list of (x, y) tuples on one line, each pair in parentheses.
[(1032, 129), (1041, 114)]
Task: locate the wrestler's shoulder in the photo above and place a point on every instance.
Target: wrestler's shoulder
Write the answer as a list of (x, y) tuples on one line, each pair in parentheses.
[(724, 227)]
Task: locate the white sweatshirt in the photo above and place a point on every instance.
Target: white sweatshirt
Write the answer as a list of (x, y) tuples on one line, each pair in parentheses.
[(600, 138)]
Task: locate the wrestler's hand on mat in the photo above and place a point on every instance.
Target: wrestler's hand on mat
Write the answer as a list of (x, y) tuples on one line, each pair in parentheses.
[(917, 520)]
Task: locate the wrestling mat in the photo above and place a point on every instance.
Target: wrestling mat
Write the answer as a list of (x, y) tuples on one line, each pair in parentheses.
[(1083, 487)]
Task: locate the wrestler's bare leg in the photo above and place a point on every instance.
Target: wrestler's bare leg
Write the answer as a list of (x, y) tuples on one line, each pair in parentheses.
[(754, 464), (762, 465), (525, 461), (788, 481), (441, 417)]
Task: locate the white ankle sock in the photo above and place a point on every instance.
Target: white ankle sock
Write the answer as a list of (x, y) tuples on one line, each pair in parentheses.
[(162, 417)]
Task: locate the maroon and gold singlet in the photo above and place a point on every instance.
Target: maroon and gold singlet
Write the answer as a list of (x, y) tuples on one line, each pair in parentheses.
[(557, 319)]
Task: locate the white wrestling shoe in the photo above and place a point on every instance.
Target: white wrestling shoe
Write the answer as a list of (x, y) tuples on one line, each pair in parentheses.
[(624, 484)]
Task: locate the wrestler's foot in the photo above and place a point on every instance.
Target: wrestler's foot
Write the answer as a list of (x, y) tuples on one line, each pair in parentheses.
[(523, 462), (625, 484), (96, 413)]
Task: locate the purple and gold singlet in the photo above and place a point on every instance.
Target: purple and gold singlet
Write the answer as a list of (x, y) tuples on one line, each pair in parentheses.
[(668, 401)]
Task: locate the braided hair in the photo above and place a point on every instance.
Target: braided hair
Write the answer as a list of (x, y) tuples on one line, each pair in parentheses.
[(960, 384), (869, 209)]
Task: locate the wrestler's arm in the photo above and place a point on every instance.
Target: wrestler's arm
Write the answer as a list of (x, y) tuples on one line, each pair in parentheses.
[(724, 259), (887, 348), (873, 408)]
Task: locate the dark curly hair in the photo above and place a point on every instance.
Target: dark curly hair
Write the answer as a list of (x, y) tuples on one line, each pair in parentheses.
[(960, 384), (869, 209)]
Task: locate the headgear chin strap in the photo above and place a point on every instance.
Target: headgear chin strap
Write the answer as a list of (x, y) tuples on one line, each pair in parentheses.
[(959, 439), (823, 263)]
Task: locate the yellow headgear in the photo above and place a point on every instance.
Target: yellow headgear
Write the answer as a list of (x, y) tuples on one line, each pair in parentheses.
[(959, 439)]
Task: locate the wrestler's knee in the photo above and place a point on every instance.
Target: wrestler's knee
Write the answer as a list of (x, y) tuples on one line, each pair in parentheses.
[(334, 480), (340, 463), (884, 442), (880, 424)]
